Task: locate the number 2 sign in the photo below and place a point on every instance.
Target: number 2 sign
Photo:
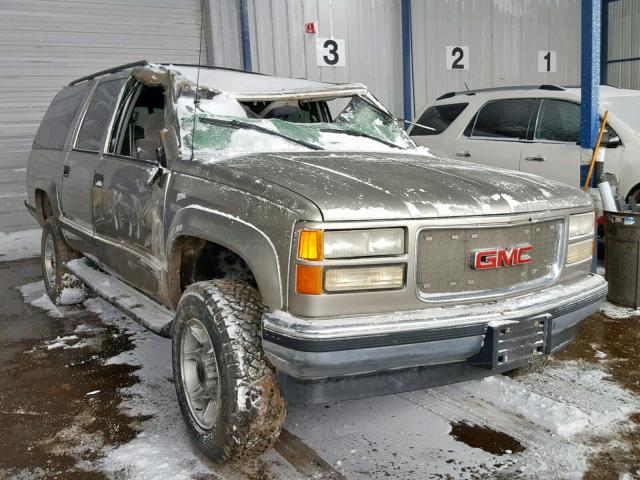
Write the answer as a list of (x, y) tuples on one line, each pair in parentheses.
[(458, 57), (330, 52)]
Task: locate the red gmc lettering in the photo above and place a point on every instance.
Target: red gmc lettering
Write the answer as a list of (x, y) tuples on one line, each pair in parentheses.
[(501, 257), (522, 254)]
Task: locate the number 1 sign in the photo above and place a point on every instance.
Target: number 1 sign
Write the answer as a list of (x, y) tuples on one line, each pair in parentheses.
[(547, 61), (458, 57), (330, 52)]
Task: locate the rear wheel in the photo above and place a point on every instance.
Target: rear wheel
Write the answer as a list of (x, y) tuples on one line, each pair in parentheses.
[(63, 288), (227, 392)]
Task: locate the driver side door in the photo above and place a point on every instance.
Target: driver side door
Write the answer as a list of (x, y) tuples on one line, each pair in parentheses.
[(128, 192)]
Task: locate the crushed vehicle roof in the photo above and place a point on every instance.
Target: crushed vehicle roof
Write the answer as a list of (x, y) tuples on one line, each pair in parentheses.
[(237, 83)]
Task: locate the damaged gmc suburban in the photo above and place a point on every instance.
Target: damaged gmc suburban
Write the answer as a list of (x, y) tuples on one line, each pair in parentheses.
[(296, 245)]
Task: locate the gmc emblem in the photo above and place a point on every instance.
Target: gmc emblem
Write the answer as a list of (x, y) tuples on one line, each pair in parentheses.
[(500, 257)]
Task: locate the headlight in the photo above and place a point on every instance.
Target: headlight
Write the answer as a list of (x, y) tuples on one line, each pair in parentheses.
[(581, 224), (364, 278), (577, 252), (363, 243)]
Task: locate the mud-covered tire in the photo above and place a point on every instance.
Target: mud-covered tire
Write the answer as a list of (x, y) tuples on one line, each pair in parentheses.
[(250, 410), (55, 253), (536, 366)]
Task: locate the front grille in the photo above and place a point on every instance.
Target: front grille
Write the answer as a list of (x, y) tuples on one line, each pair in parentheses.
[(443, 269)]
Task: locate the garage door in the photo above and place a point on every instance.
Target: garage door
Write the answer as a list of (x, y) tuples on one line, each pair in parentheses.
[(46, 43)]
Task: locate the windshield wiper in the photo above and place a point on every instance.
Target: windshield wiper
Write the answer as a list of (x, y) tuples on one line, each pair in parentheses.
[(239, 125), (356, 133)]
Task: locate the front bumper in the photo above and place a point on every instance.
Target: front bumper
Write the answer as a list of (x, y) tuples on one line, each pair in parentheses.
[(310, 349)]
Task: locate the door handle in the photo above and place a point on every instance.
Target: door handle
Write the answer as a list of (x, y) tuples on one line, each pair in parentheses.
[(463, 153), (98, 180), (535, 158), (155, 176), (66, 170)]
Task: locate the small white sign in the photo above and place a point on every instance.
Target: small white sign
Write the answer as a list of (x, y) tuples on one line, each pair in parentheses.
[(547, 61), (457, 57), (330, 52)]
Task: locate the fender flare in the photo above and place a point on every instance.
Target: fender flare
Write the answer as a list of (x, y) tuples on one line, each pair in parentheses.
[(249, 242), (51, 190)]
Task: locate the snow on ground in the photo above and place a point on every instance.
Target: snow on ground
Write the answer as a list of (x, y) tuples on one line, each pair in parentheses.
[(35, 295), (618, 311), (22, 244), (555, 416)]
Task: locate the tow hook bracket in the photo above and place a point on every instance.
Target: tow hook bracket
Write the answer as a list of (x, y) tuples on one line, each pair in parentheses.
[(514, 342)]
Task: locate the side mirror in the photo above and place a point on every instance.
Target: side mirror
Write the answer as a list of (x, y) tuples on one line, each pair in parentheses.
[(609, 141), (170, 144)]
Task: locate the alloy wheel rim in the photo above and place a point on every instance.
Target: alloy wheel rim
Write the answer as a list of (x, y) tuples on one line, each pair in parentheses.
[(50, 261), (200, 376)]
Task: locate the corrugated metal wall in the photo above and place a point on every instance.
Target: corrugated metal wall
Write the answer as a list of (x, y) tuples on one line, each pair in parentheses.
[(223, 33), (371, 29), (503, 36), (623, 69), (46, 43)]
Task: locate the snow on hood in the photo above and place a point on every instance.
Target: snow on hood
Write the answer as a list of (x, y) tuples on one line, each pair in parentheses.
[(391, 185)]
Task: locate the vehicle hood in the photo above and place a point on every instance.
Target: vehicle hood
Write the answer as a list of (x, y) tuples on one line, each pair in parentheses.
[(389, 185)]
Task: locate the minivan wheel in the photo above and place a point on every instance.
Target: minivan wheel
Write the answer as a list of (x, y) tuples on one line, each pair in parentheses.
[(62, 286), (227, 391)]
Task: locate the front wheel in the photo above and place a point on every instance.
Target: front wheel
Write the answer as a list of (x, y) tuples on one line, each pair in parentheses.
[(227, 392)]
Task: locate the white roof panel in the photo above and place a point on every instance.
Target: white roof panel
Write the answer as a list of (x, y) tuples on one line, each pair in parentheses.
[(242, 83)]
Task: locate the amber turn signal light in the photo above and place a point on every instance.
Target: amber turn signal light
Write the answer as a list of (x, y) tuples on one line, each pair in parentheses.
[(308, 279), (310, 245)]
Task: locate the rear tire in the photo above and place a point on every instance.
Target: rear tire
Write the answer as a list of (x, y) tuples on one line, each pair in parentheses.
[(63, 288), (227, 391)]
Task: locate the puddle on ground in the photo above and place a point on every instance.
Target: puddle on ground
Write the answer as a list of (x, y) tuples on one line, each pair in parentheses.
[(614, 344), (59, 405), (485, 438)]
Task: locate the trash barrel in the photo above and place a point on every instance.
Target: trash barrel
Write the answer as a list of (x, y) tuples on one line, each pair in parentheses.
[(622, 257)]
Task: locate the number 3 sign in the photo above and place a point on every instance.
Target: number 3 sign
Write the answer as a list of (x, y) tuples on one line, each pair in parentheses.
[(458, 57), (330, 52)]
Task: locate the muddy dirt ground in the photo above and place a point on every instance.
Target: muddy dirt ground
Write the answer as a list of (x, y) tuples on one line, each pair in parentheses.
[(87, 394)]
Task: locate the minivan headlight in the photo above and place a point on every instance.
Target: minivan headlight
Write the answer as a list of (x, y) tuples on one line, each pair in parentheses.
[(363, 243), (581, 224)]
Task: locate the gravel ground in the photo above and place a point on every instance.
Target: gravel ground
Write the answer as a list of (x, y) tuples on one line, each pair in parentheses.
[(86, 393)]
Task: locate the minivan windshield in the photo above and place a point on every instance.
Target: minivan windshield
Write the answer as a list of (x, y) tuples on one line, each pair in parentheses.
[(626, 108), (222, 127)]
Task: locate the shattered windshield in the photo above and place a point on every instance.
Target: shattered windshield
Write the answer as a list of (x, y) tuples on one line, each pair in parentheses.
[(221, 126)]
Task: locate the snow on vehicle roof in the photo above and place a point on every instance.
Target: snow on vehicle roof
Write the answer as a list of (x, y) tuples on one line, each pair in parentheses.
[(243, 84)]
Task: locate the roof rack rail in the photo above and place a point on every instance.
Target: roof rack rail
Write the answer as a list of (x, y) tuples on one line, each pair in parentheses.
[(139, 63), (552, 88), (213, 67), (499, 89)]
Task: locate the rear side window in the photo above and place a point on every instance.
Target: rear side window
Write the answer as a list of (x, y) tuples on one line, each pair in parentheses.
[(99, 113), (558, 121), (504, 119), (57, 121), (438, 118)]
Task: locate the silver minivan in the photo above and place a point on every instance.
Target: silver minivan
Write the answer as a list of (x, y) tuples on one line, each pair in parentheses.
[(534, 130)]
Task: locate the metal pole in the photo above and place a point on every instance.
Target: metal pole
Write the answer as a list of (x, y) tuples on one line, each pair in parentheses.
[(590, 67), (604, 43), (406, 60), (246, 38), (590, 72)]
